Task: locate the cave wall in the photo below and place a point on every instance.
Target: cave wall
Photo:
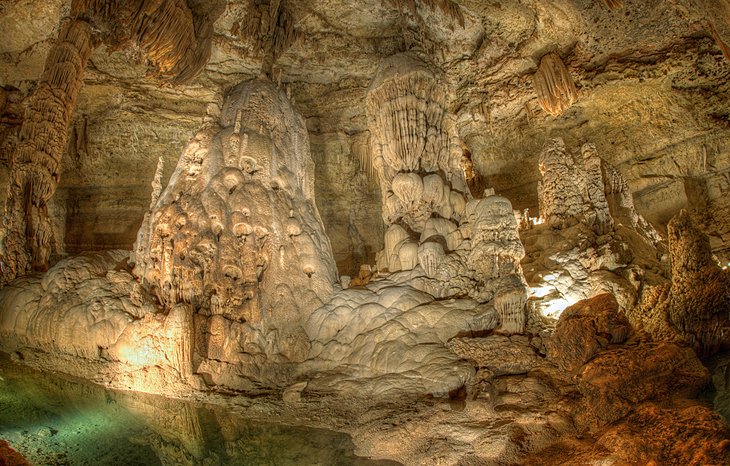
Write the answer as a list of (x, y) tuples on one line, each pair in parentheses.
[(651, 82)]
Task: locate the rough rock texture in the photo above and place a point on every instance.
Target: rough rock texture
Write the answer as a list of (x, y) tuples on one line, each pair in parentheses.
[(690, 434), (11, 457), (694, 307), (589, 238), (585, 329), (499, 354), (26, 241), (238, 215), (616, 381)]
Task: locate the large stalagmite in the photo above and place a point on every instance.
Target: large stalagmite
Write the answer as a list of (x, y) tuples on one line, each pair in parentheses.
[(232, 259), (236, 233), (599, 243), (694, 307)]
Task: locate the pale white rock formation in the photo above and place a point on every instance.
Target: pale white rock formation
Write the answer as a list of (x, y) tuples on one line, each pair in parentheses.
[(237, 236), (91, 309), (414, 152), (390, 337), (80, 307), (465, 247), (559, 197), (239, 214)]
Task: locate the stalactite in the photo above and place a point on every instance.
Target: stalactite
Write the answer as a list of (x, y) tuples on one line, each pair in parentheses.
[(448, 8), (35, 164), (412, 137), (614, 4), (554, 86), (175, 41), (270, 26)]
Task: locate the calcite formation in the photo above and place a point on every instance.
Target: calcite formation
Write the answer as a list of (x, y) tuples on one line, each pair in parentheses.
[(554, 85), (35, 163), (694, 307), (175, 38), (232, 287), (585, 189), (597, 242), (464, 246), (414, 152), (177, 47), (236, 233)]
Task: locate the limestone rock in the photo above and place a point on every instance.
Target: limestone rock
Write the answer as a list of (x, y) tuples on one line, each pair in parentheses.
[(694, 308), (293, 393), (499, 354), (682, 435), (584, 329), (615, 381), (236, 217)]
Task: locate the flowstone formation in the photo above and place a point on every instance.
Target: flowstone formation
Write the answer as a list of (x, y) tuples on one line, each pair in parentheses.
[(236, 234), (465, 247), (592, 239)]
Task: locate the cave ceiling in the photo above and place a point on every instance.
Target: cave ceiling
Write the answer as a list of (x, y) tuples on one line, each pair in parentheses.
[(651, 93)]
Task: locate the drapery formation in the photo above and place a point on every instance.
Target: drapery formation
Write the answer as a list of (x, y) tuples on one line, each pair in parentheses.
[(555, 87)]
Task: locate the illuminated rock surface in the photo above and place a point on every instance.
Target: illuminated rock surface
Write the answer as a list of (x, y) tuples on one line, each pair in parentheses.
[(461, 232)]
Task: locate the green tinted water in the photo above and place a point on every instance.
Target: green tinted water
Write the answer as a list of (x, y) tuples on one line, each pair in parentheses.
[(55, 420)]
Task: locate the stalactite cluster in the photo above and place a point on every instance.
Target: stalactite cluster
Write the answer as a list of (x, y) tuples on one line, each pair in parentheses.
[(554, 86), (270, 27), (447, 7), (413, 152), (35, 165), (175, 41), (78, 144)]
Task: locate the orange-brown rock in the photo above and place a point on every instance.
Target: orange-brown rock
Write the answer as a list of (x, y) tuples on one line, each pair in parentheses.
[(617, 380), (584, 329), (10, 457)]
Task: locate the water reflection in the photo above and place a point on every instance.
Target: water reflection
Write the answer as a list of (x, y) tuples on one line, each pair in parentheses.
[(52, 419)]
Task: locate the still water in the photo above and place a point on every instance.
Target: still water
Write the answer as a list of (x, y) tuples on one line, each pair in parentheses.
[(55, 420)]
